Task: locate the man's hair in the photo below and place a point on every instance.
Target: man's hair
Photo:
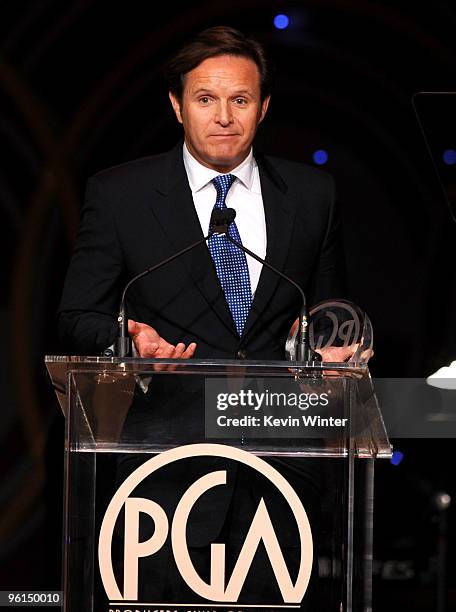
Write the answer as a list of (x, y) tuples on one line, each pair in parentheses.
[(214, 42)]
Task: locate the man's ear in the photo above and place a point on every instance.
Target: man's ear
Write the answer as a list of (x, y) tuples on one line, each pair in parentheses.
[(176, 106), (264, 108)]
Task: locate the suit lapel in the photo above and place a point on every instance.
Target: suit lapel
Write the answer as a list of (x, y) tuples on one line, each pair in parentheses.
[(279, 214), (179, 221)]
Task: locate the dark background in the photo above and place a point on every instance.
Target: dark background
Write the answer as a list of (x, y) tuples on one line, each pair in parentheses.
[(81, 89)]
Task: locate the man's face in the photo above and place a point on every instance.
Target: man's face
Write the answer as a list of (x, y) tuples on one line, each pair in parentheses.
[(220, 110)]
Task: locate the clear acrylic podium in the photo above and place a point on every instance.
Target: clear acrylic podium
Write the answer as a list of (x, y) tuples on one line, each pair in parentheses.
[(161, 495)]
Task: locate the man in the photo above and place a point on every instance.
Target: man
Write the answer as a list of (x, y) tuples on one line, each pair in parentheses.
[(140, 212)]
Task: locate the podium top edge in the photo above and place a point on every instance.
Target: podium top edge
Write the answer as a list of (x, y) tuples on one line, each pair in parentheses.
[(130, 362)]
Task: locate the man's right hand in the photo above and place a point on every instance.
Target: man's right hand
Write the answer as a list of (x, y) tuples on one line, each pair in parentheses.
[(150, 344)]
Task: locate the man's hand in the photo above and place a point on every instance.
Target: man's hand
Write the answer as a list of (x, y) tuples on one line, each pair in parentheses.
[(333, 354), (149, 343)]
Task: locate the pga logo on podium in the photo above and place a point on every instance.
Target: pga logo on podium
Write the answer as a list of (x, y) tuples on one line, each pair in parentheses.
[(219, 588)]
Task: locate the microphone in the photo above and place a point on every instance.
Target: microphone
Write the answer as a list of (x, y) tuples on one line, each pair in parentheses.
[(220, 220), (304, 352)]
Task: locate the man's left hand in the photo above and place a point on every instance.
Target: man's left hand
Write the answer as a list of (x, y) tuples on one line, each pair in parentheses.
[(340, 354)]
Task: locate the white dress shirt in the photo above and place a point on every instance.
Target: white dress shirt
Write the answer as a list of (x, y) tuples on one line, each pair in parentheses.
[(244, 196)]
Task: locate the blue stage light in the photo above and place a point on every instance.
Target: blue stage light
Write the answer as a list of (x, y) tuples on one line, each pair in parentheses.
[(397, 457), (320, 157), (281, 22), (449, 157)]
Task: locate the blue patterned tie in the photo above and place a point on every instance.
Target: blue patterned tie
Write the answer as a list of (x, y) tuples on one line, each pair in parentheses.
[(230, 262)]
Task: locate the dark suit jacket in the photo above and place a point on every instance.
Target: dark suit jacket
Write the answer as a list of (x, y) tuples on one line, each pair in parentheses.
[(138, 213)]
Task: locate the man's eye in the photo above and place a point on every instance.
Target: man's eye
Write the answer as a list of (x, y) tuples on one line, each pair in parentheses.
[(204, 100), (241, 101)]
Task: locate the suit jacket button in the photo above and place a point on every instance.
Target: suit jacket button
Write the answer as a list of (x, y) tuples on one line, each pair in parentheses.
[(241, 354)]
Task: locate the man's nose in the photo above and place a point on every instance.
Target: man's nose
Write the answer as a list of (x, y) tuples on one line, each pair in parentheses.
[(224, 114)]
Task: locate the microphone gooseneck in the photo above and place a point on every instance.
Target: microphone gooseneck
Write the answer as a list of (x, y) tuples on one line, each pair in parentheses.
[(304, 352), (123, 345), (220, 220)]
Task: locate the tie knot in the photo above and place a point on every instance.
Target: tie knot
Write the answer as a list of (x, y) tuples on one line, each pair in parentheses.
[(222, 183)]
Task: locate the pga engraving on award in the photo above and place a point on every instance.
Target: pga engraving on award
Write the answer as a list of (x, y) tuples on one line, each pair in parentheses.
[(336, 323)]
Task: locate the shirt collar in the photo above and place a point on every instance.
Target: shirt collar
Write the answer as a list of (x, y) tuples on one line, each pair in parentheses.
[(199, 176)]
